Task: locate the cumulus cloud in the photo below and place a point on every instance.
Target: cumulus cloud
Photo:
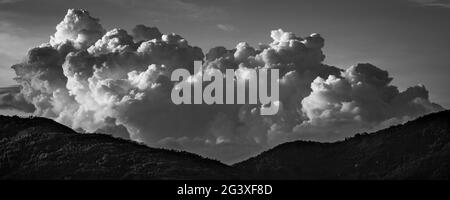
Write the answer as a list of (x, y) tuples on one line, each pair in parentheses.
[(77, 27), (119, 83), (144, 33), (363, 98)]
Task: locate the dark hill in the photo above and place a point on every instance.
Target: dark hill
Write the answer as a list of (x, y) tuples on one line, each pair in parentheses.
[(419, 149), (39, 148)]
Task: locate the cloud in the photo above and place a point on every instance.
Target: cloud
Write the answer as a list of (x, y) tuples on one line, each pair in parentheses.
[(362, 94), (5, 72), (9, 1), (79, 28), (12, 99), (434, 3), (119, 83), (14, 44), (144, 33), (361, 98), (227, 27)]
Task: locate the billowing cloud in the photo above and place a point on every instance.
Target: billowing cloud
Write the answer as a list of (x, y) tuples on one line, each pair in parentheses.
[(79, 28), (360, 98), (144, 33), (119, 83)]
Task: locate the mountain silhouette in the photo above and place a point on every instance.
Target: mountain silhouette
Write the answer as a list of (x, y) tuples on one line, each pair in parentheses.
[(419, 149), (39, 148)]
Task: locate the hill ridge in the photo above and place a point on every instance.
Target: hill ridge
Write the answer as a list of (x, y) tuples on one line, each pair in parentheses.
[(411, 142), (40, 148)]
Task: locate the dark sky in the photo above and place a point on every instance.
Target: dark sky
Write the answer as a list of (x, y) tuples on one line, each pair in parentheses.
[(409, 38)]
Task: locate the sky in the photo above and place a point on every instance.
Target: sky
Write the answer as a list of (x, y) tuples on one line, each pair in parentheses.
[(373, 64), (408, 38)]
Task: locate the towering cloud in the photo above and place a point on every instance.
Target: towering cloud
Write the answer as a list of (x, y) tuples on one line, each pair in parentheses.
[(119, 83), (79, 28)]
